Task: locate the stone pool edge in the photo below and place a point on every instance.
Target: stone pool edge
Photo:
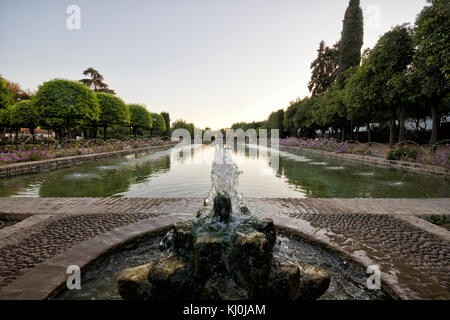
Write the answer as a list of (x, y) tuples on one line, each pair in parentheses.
[(23, 168), (402, 165), (47, 279)]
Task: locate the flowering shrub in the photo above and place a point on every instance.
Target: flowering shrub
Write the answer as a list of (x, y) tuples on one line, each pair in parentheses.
[(444, 157), (403, 153), (46, 150), (331, 145)]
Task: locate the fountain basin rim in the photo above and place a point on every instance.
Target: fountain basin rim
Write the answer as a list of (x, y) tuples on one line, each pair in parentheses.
[(46, 280)]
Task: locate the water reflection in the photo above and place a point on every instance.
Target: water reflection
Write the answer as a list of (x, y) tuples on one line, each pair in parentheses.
[(186, 172)]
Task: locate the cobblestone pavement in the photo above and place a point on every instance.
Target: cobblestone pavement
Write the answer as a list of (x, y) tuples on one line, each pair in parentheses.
[(417, 256), (59, 223), (384, 229)]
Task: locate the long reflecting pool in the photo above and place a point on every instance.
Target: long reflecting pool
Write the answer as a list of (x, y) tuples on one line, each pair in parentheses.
[(185, 172)]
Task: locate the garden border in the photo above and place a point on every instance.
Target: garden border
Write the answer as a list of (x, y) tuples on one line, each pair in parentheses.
[(29, 167), (402, 165)]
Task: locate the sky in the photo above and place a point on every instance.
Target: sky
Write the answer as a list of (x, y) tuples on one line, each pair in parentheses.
[(210, 62)]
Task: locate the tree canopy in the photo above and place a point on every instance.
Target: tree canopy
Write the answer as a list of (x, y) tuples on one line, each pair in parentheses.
[(159, 124), (139, 117), (65, 103), (166, 117), (6, 96), (432, 58), (324, 69), (95, 81), (113, 111), (24, 115), (182, 124)]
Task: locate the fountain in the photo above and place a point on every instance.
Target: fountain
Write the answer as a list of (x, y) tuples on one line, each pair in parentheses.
[(226, 253)]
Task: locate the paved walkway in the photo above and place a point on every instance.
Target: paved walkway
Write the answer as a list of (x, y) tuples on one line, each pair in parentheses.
[(388, 232), (30, 206)]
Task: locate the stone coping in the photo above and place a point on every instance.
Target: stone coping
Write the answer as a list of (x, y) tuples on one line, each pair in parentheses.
[(21, 168), (46, 279), (310, 234), (18, 208), (402, 165)]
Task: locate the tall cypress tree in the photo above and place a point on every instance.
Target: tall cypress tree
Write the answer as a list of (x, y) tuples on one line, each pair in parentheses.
[(349, 54)]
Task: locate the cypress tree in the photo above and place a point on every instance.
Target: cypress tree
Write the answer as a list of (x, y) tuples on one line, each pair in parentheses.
[(349, 54)]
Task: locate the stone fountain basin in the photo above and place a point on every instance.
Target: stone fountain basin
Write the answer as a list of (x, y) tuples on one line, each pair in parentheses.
[(103, 258), (216, 260)]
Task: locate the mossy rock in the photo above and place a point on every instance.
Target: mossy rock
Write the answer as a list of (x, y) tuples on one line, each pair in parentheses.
[(133, 283), (170, 278)]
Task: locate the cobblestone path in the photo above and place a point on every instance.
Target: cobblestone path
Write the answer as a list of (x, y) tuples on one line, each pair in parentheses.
[(386, 229)]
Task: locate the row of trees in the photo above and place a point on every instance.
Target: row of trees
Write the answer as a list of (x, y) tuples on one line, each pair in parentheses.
[(62, 105), (405, 76)]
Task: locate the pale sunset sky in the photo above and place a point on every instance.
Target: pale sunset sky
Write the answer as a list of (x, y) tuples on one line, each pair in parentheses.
[(211, 62)]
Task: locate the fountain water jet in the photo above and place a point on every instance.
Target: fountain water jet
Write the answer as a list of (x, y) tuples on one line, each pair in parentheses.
[(224, 254)]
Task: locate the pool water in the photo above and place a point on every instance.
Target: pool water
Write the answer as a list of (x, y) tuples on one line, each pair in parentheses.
[(186, 172)]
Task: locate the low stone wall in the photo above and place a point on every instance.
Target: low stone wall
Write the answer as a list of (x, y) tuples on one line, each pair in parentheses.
[(403, 165), (21, 168)]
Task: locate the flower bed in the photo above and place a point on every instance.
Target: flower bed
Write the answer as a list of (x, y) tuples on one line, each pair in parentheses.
[(441, 157), (331, 145), (51, 150)]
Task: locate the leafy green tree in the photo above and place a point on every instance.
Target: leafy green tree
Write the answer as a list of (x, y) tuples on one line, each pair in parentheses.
[(289, 118), (95, 81), (6, 96), (113, 111), (182, 124), (388, 73), (362, 105), (159, 124), (349, 47), (432, 58), (324, 69), (24, 115), (335, 113), (6, 100), (5, 118), (139, 118), (382, 87), (304, 117), (65, 103), (275, 121), (166, 117)]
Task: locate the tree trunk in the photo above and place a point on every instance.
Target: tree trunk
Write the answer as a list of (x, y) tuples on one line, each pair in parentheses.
[(343, 134), (69, 133), (17, 134), (391, 131), (104, 133), (135, 132), (32, 133), (369, 133), (401, 122), (436, 123)]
